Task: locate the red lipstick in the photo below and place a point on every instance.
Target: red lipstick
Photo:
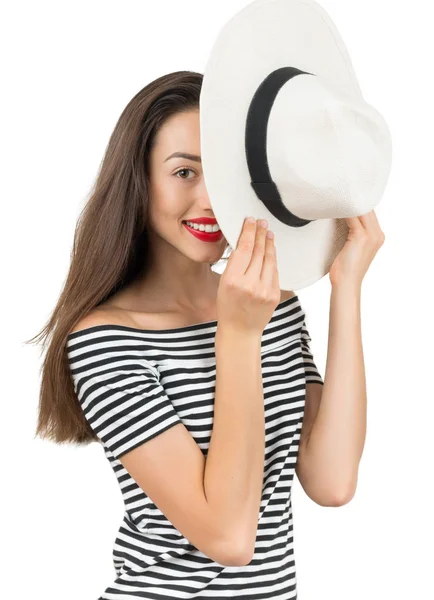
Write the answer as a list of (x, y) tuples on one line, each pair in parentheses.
[(204, 236)]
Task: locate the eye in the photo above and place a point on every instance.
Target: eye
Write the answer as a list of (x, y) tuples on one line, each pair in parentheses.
[(183, 169)]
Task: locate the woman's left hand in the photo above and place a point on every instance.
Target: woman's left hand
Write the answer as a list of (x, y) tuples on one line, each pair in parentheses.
[(365, 238)]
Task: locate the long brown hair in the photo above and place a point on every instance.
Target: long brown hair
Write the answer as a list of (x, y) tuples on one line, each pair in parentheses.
[(110, 244)]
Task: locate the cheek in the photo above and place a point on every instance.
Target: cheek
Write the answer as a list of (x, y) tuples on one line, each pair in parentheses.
[(167, 211)]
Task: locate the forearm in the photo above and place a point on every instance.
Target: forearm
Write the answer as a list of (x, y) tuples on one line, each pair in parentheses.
[(235, 462), (337, 438)]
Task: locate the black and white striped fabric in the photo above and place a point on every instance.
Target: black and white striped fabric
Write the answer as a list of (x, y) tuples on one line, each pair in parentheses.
[(134, 384)]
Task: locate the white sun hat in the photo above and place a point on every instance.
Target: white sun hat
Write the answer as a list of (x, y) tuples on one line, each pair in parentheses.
[(286, 135)]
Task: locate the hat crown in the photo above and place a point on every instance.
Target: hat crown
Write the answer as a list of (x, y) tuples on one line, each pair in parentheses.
[(328, 153)]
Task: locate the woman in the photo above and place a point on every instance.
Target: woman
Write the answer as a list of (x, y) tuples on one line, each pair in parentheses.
[(194, 383)]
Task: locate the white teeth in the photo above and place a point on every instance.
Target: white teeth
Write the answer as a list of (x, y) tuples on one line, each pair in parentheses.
[(208, 228)]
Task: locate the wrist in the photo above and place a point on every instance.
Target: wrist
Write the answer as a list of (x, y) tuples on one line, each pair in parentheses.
[(242, 338), (352, 288)]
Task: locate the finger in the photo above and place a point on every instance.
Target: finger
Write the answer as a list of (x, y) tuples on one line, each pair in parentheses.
[(354, 223), (275, 283), (257, 260), (240, 257), (370, 222), (269, 273)]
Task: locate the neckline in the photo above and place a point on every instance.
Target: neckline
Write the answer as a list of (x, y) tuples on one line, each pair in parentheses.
[(107, 326)]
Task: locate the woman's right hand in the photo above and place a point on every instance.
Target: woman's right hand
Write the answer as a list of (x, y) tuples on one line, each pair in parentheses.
[(249, 289)]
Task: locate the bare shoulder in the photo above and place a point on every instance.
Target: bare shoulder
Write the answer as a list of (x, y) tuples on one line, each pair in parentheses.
[(97, 317), (286, 295)]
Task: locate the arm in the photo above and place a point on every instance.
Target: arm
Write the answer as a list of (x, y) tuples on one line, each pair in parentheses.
[(213, 502), (334, 427), (235, 463)]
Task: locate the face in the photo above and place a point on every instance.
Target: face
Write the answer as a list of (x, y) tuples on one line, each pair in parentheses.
[(178, 192)]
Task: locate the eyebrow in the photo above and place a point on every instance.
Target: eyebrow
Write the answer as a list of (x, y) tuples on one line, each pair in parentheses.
[(184, 155)]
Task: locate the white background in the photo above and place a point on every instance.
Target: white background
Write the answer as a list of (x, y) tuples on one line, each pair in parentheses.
[(68, 70)]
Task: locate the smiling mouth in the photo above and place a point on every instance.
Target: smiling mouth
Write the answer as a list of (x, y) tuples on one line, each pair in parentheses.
[(202, 227)]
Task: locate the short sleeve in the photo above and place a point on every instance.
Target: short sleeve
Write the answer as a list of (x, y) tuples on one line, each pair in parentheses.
[(123, 401), (312, 373)]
